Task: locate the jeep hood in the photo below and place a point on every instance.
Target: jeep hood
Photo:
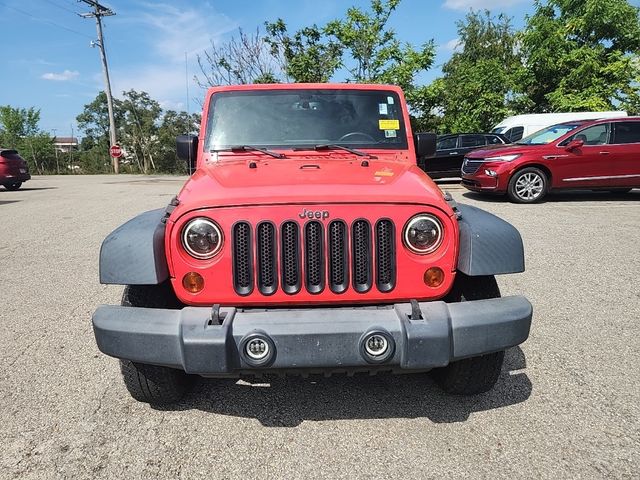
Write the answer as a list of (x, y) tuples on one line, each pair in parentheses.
[(308, 180)]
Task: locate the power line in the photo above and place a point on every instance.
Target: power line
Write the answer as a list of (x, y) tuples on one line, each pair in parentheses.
[(51, 2), (43, 20)]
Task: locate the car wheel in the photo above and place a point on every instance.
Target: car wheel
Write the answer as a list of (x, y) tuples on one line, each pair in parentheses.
[(473, 375), (528, 185), (13, 186), (153, 384)]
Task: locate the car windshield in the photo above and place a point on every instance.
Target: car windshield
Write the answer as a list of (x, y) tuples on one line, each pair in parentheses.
[(498, 130), (549, 134), (302, 118)]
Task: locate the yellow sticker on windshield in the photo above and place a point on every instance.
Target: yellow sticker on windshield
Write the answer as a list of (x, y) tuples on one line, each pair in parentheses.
[(389, 124)]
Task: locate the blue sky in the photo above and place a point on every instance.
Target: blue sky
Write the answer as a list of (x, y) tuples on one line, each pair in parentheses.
[(47, 61)]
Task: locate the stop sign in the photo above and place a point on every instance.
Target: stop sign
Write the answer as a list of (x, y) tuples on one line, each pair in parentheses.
[(115, 151)]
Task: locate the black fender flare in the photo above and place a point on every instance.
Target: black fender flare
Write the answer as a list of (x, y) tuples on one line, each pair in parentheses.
[(488, 244), (133, 254)]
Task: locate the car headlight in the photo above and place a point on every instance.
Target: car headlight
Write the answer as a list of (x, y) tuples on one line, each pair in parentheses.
[(503, 158), (423, 234), (201, 238)]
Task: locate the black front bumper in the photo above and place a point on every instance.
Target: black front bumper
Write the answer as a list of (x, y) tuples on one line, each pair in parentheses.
[(313, 339)]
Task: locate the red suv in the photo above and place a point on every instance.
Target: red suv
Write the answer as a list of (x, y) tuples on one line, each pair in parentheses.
[(600, 154), (13, 169)]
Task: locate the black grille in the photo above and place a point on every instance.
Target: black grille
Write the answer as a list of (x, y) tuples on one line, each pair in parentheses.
[(362, 258), (313, 256), (242, 258), (267, 266), (338, 257), (385, 256), (469, 167), (290, 257)]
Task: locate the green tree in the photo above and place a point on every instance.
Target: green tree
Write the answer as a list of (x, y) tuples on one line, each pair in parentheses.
[(582, 55), (480, 82), (377, 56), (307, 56), (19, 130), (140, 118), (173, 124)]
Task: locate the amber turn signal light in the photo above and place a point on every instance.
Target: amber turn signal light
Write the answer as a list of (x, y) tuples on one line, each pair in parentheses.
[(193, 282), (433, 277)]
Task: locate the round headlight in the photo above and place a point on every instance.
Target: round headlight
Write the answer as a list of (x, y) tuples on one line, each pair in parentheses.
[(201, 238), (423, 234)]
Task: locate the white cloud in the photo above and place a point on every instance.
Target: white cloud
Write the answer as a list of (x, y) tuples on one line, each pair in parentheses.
[(61, 77), (479, 4), (169, 32), (159, 81), (174, 31), (452, 45)]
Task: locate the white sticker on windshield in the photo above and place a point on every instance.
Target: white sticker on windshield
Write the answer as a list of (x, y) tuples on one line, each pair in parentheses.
[(390, 133), (390, 100), (382, 107)]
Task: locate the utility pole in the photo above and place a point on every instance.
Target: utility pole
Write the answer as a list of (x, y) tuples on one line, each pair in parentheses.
[(100, 11)]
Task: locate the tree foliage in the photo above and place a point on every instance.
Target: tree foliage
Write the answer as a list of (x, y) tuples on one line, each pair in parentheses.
[(479, 83), (19, 130), (306, 56), (582, 55), (376, 54), (146, 133)]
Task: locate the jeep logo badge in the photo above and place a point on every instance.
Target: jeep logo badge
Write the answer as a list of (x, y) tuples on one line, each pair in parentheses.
[(319, 214)]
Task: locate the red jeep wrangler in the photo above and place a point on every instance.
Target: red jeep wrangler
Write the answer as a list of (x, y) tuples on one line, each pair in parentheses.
[(308, 241)]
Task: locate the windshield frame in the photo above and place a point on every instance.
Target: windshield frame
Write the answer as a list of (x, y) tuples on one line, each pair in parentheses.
[(401, 138)]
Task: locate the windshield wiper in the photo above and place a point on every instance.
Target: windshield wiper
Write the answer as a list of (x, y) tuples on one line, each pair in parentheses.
[(335, 146), (249, 148)]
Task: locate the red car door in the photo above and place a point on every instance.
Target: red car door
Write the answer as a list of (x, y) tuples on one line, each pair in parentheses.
[(587, 166), (625, 153)]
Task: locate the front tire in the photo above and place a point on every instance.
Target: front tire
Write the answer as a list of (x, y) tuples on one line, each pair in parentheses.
[(151, 383), (13, 186), (474, 375), (528, 185)]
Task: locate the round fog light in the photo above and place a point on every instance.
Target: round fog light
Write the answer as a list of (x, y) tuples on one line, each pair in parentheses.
[(376, 345), (257, 349)]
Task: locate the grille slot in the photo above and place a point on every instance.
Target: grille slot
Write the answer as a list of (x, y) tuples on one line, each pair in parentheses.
[(242, 258), (469, 167), (338, 257), (362, 258), (267, 258), (290, 257), (314, 256), (385, 256)]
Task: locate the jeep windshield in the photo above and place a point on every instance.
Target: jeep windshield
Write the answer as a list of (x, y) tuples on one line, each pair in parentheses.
[(549, 134), (305, 118)]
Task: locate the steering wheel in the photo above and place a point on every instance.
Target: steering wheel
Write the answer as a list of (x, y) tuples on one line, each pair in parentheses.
[(349, 135)]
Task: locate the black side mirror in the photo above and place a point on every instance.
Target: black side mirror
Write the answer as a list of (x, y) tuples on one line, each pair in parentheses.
[(425, 144), (187, 150)]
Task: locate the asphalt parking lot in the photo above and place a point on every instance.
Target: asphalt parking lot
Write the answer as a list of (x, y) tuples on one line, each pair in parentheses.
[(567, 404)]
